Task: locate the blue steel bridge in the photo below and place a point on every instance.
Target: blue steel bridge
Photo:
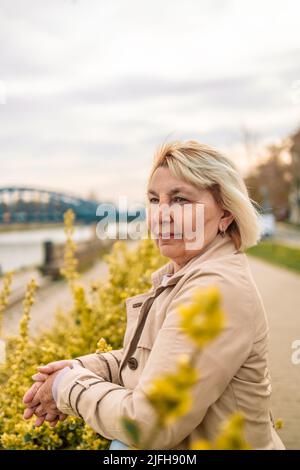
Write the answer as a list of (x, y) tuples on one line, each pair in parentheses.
[(24, 205), (28, 205)]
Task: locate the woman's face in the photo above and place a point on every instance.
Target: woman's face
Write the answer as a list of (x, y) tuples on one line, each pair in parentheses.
[(169, 192)]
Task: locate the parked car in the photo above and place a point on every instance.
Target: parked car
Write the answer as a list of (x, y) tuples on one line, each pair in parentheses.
[(267, 221)]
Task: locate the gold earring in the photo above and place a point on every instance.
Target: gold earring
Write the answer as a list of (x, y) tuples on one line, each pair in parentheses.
[(222, 232)]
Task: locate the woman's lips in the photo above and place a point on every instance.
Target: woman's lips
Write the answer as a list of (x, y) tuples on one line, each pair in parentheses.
[(169, 235)]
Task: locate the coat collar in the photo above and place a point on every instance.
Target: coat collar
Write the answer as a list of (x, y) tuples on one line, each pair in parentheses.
[(218, 247)]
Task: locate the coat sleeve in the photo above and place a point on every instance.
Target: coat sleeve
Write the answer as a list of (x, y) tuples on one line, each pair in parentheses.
[(102, 404), (104, 364)]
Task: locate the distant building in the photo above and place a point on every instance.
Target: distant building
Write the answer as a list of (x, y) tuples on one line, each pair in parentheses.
[(294, 197)]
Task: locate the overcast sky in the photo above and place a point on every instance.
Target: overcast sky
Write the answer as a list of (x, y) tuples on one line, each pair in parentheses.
[(89, 88)]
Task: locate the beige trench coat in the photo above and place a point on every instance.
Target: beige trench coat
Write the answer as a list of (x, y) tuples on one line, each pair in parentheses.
[(233, 367)]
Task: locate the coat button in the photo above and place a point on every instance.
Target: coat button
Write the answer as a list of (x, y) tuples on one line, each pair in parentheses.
[(132, 363)]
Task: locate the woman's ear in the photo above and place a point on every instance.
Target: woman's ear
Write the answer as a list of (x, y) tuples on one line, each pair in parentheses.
[(226, 219)]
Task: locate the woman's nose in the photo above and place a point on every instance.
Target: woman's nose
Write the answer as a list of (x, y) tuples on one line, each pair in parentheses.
[(164, 213), (159, 217)]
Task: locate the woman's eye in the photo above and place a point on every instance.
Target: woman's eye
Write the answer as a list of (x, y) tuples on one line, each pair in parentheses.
[(180, 199), (153, 200)]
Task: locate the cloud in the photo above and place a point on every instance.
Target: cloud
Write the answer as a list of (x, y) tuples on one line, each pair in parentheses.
[(92, 88)]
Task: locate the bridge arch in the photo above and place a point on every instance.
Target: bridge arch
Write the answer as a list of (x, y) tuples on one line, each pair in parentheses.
[(28, 204)]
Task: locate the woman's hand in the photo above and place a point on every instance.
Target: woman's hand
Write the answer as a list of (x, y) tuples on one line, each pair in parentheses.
[(44, 371), (39, 401), (46, 411)]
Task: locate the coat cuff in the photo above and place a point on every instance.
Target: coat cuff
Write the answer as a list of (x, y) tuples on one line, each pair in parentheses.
[(74, 384)]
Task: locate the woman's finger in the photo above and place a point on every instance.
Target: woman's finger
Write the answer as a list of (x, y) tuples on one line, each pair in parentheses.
[(28, 413), (39, 421), (46, 369), (53, 423), (54, 366), (40, 411), (53, 406), (29, 395), (62, 416), (39, 377), (51, 417), (53, 409)]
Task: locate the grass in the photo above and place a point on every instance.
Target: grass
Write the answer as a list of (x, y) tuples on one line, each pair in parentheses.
[(275, 253), (291, 225)]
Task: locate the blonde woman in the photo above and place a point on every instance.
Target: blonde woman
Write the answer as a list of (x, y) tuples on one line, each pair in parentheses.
[(234, 375)]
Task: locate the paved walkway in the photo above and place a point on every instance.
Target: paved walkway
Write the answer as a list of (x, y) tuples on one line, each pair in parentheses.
[(287, 235), (280, 290)]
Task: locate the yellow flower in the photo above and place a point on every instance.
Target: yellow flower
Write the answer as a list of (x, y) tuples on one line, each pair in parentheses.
[(69, 269), (231, 437), (279, 423), (4, 295), (201, 444), (203, 319), (102, 346), (170, 395), (27, 304)]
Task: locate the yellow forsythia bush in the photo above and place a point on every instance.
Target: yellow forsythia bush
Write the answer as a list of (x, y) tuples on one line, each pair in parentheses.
[(95, 314)]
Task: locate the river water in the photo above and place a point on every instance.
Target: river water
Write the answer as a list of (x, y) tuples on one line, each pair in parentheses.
[(25, 248), (19, 249)]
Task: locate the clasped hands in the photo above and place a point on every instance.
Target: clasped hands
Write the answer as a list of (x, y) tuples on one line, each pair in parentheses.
[(39, 400)]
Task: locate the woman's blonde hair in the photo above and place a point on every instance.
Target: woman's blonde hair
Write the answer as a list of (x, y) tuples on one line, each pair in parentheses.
[(205, 167)]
